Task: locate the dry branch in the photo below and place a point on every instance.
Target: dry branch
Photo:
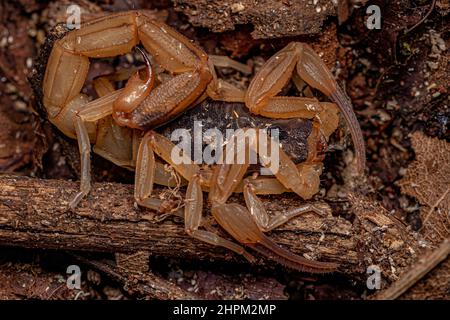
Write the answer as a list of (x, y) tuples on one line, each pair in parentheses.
[(34, 214)]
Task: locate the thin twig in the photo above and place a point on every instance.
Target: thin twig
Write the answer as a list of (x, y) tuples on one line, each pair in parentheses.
[(423, 19), (435, 205)]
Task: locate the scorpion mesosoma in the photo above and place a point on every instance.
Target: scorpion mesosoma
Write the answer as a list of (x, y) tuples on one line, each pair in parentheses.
[(114, 122)]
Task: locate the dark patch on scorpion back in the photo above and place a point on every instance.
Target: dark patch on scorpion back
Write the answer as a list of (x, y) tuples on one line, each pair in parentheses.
[(293, 133)]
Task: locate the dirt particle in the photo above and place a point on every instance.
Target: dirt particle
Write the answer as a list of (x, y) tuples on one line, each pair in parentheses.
[(237, 7)]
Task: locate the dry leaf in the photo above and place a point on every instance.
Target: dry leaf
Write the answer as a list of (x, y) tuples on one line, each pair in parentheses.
[(428, 180)]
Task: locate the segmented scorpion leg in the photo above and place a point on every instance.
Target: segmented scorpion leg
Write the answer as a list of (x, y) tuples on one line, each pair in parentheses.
[(227, 62), (107, 134), (263, 185), (193, 218), (90, 112), (261, 217), (221, 90), (227, 176), (304, 182), (147, 168), (144, 175), (85, 155), (169, 152), (240, 223), (274, 75)]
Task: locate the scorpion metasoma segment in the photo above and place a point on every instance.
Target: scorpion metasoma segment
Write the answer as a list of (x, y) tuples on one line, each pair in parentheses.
[(178, 75)]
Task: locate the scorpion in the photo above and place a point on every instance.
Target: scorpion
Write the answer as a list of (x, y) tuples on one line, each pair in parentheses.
[(179, 75)]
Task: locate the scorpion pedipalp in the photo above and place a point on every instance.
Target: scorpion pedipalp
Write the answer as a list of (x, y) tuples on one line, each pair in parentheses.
[(273, 76)]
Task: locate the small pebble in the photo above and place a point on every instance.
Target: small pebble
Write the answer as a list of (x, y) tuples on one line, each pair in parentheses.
[(433, 65), (129, 58), (29, 63), (431, 86), (237, 7), (19, 105), (436, 94), (10, 88)]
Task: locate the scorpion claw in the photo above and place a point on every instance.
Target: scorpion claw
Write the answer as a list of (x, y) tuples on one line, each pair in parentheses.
[(136, 89), (262, 94)]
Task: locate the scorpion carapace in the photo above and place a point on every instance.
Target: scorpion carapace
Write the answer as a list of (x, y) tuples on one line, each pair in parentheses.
[(293, 133)]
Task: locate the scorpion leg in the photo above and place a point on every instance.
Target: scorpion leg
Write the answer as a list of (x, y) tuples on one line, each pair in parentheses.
[(72, 122), (304, 182), (145, 174), (90, 112), (263, 185), (114, 143), (221, 90), (302, 86), (147, 171), (85, 155), (98, 112), (261, 217), (238, 222), (104, 84), (227, 62), (193, 217), (168, 151), (226, 177)]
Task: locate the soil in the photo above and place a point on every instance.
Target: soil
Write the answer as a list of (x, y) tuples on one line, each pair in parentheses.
[(397, 78)]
